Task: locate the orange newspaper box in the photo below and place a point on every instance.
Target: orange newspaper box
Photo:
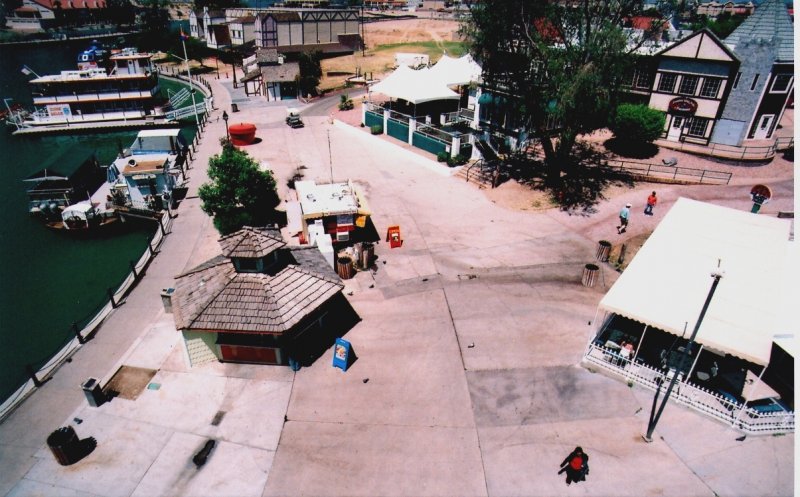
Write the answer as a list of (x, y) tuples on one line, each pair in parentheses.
[(393, 237)]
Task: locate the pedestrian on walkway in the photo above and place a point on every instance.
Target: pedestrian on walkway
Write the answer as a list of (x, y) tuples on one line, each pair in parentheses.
[(651, 202), (576, 465), (624, 214)]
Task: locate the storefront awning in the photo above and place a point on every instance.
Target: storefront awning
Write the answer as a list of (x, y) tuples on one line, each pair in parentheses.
[(668, 281)]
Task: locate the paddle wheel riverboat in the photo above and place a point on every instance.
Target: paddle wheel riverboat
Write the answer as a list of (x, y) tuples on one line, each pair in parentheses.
[(126, 89)]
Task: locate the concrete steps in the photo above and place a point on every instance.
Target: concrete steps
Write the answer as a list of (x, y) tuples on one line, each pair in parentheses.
[(478, 174)]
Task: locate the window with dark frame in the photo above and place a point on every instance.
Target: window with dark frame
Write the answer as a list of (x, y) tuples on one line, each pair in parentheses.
[(641, 79), (710, 87), (736, 79), (667, 82), (781, 83), (697, 127), (755, 82), (688, 85)]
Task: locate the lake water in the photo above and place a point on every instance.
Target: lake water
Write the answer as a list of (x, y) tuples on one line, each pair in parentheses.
[(49, 280)]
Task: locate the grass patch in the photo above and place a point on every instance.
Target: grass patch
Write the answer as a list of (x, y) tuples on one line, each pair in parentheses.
[(174, 87), (432, 48)]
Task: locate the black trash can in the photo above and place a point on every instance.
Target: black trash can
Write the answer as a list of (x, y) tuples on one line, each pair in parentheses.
[(65, 445), (94, 394), (603, 250), (589, 274), (234, 108)]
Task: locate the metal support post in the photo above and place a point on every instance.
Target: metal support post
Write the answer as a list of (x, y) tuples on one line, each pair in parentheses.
[(78, 333)]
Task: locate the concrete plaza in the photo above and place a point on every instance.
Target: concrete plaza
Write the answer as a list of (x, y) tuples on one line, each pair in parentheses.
[(467, 381)]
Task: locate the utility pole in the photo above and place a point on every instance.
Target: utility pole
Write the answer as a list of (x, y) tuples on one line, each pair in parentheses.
[(363, 39), (655, 416), (330, 155)]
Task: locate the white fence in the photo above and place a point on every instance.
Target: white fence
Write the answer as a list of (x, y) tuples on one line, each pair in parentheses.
[(739, 416)]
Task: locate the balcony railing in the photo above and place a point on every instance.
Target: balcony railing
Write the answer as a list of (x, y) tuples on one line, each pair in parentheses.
[(89, 97), (708, 402)]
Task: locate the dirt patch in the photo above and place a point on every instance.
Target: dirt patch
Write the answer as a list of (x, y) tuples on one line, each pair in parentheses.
[(384, 39), (632, 246), (129, 382), (515, 196)]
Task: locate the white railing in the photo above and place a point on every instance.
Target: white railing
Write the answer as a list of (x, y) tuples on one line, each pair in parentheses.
[(48, 369), (178, 98), (200, 108), (41, 118), (710, 403), (89, 97)]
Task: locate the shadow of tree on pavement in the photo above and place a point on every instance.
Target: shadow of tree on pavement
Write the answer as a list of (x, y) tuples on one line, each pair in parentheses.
[(582, 181)]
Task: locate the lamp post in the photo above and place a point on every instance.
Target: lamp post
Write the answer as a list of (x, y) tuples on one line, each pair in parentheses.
[(656, 415), (225, 118)]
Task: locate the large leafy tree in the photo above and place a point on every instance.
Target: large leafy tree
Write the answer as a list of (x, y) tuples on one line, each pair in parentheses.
[(240, 193), (153, 17), (562, 63), (310, 71), (120, 12)]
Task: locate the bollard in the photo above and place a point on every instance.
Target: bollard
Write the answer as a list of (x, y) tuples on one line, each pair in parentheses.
[(133, 270), (32, 375), (201, 457), (77, 332), (111, 298), (589, 275), (603, 250)]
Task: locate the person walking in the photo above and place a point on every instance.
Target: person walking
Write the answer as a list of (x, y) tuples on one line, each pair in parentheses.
[(576, 465), (624, 214), (651, 202)]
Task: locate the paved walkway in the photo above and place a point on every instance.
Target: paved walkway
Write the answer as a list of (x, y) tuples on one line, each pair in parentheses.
[(467, 379)]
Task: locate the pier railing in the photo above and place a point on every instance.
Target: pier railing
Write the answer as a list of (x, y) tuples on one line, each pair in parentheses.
[(37, 372), (83, 329)]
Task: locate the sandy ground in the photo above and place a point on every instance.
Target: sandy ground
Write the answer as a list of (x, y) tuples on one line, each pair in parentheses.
[(396, 33)]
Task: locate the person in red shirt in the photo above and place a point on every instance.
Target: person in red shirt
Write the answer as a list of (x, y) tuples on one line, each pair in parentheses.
[(576, 465), (651, 202)]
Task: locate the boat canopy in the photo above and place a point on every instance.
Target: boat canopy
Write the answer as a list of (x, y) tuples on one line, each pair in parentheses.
[(82, 210), (158, 141)]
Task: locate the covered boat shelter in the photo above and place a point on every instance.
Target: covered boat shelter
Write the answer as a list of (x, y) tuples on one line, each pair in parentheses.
[(742, 361)]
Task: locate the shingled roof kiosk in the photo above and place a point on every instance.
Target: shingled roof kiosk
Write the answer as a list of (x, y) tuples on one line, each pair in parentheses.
[(258, 302)]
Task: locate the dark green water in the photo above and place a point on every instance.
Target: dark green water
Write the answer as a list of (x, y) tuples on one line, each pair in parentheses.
[(49, 280)]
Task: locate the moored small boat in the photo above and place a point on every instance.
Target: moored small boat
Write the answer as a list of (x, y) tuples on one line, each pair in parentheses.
[(83, 217)]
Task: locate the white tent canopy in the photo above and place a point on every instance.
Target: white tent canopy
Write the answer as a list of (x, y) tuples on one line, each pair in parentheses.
[(413, 86), (456, 72), (668, 281)]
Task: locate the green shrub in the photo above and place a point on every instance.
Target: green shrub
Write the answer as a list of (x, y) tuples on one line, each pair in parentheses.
[(345, 103), (442, 157), (457, 160), (638, 123), (376, 129)]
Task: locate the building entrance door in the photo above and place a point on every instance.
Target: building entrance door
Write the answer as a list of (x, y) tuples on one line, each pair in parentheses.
[(764, 128), (675, 128)]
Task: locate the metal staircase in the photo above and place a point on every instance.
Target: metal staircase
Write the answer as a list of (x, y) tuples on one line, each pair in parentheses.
[(176, 99)]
